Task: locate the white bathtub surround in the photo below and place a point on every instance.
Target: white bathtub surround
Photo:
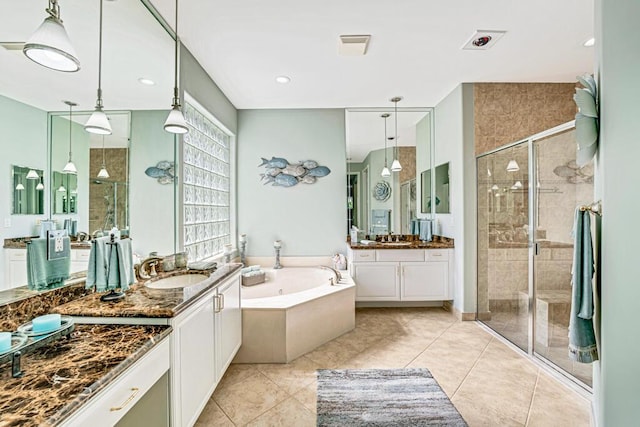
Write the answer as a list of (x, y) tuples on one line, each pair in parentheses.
[(294, 312), (290, 261)]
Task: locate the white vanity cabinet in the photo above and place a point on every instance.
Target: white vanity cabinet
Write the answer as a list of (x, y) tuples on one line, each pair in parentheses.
[(402, 274), (205, 338)]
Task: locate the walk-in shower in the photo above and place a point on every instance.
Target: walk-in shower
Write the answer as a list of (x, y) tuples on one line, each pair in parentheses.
[(527, 195)]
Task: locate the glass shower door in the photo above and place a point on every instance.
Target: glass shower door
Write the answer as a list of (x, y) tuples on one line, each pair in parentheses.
[(561, 186), (503, 249)]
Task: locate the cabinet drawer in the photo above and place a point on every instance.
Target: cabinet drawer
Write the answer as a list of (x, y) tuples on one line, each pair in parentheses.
[(17, 254), (409, 255), (80, 254), (112, 403), (366, 255), (437, 254)]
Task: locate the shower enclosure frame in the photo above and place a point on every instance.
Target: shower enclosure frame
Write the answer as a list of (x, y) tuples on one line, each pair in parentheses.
[(532, 243)]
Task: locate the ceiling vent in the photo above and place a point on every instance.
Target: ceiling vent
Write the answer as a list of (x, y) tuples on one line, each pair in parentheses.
[(12, 45), (483, 39), (353, 45)]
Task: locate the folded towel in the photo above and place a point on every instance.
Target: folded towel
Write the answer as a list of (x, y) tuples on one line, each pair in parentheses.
[(582, 341), (44, 274), (98, 263)]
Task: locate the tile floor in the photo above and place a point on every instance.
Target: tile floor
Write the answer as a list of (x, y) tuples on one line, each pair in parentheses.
[(489, 383)]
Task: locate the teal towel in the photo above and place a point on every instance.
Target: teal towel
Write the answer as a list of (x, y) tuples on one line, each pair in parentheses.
[(582, 340), (41, 273), (98, 263), (121, 274)]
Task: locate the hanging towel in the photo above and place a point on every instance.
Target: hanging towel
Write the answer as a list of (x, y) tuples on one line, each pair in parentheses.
[(121, 274), (41, 273), (582, 341), (98, 264)]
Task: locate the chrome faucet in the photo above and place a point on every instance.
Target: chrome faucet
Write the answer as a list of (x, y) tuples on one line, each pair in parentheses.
[(336, 272), (147, 268)]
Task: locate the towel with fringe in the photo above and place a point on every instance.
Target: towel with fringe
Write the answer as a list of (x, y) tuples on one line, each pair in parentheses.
[(98, 264), (582, 341), (42, 273)]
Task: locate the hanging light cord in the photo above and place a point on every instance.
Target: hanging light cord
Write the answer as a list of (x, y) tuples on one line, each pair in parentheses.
[(103, 162), (99, 100), (385, 141), (395, 117), (176, 95), (70, 131)]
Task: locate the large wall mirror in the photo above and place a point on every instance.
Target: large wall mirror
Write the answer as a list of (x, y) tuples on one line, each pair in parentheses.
[(28, 194), (378, 204), (137, 84)]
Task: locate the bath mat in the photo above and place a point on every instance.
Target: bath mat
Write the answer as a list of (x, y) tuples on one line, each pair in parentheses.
[(383, 397)]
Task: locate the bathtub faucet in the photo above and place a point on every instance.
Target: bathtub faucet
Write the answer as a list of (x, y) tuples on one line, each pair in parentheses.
[(336, 272)]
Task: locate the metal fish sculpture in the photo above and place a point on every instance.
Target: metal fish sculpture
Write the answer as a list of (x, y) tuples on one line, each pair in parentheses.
[(272, 171), (155, 172), (308, 179), (319, 171), (310, 164), (295, 170), (275, 162), (282, 180)]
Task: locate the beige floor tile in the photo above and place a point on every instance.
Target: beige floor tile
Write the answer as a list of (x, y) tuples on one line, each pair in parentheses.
[(332, 354), (245, 400), (237, 372), (501, 381), (555, 404), (478, 415), (291, 376), (308, 396), (213, 416), (360, 339), (289, 413)]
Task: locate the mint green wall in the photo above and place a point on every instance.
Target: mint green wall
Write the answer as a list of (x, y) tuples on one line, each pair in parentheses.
[(617, 385), (151, 205), (423, 158), (309, 219)]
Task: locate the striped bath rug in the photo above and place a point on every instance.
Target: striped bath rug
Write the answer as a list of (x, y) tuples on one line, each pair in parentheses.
[(383, 397)]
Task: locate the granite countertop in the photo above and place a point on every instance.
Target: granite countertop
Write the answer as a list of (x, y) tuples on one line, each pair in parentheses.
[(21, 243), (498, 244), (61, 377), (438, 242), (141, 301)]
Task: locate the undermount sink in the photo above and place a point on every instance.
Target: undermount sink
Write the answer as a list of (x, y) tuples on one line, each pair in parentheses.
[(174, 282), (395, 243)]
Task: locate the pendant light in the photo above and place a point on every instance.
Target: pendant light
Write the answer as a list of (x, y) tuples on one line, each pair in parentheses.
[(61, 189), (50, 46), (19, 187), (70, 167), (40, 185), (98, 122), (513, 166), (32, 174), (396, 166), (103, 171), (385, 170), (175, 122)]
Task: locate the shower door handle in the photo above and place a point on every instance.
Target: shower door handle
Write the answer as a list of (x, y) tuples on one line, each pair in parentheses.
[(536, 248)]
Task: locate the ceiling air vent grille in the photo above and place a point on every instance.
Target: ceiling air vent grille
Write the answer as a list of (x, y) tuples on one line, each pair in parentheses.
[(355, 45)]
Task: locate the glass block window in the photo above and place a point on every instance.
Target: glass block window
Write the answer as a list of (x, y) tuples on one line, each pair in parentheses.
[(206, 186)]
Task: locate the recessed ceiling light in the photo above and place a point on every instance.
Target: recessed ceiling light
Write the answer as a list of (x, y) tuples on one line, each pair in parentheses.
[(589, 42), (483, 39), (283, 79), (146, 81)]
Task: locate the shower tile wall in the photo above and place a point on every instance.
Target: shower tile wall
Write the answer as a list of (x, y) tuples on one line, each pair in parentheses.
[(117, 165), (507, 112), (408, 162)]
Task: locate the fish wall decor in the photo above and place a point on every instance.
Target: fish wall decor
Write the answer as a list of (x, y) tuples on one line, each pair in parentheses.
[(164, 172), (280, 173)]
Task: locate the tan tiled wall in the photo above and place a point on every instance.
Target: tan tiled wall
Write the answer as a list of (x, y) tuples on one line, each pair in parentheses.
[(117, 164), (508, 112), (408, 162)]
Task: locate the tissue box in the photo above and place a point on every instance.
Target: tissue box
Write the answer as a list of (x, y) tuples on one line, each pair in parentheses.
[(254, 279)]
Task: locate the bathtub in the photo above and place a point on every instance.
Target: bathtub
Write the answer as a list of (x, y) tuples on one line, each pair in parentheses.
[(295, 311)]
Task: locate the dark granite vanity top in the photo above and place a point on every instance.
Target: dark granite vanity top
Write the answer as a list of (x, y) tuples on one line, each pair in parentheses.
[(141, 301), (62, 376), (21, 243), (438, 242)]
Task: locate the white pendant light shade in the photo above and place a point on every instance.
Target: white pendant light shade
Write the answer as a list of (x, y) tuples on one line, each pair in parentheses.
[(494, 187), (513, 166), (385, 172), (70, 168), (518, 184), (175, 122), (32, 174), (61, 189), (104, 174), (98, 123), (19, 186), (396, 166), (50, 46), (40, 185)]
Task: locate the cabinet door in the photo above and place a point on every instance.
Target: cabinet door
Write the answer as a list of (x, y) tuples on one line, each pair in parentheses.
[(195, 348), (376, 281), (425, 281), (228, 325)]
